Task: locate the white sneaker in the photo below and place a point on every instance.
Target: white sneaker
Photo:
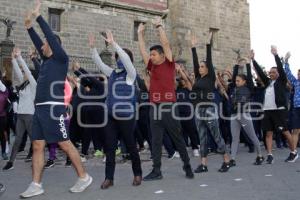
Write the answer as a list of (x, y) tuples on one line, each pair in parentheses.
[(83, 158), (34, 189), (7, 150), (82, 184), (196, 153), (175, 155)]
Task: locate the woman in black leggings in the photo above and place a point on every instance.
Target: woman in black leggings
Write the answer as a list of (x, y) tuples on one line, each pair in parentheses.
[(206, 113)]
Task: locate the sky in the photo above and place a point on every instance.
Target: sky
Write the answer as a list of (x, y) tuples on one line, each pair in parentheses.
[(275, 22)]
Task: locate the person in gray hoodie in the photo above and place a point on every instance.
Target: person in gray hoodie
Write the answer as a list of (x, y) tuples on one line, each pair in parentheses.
[(26, 87)]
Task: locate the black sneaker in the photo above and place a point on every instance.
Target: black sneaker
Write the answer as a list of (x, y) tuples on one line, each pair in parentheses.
[(8, 166), (292, 157), (270, 159), (188, 171), (225, 167), (28, 158), (21, 150), (68, 163), (153, 176), (259, 160), (49, 164), (201, 168), (232, 163)]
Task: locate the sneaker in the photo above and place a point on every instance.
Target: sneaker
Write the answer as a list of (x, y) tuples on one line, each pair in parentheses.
[(34, 189), (4, 156), (188, 171), (292, 157), (28, 158), (232, 163), (21, 150), (153, 176), (68, 163), (118, 152), (82, 184), (201, 168), (175, 155), (83, 158), (270, 159), (49, 164), (259, 160), (196, 153), (225, 167), (8, 166), (2, 188), (7, 150), (99, 154)]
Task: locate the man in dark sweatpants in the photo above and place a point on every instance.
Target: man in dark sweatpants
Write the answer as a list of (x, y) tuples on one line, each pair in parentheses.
[(162, 95)]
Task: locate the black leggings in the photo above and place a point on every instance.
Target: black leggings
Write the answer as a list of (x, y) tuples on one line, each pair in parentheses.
[(2, 134), (93, 117), (124, 129)]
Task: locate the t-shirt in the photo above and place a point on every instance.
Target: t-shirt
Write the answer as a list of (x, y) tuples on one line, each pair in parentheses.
[(162, 85)]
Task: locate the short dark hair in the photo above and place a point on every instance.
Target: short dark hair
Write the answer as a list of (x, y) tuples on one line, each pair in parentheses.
[(129, 53), (273, 67), (242, 76), (157, 48)]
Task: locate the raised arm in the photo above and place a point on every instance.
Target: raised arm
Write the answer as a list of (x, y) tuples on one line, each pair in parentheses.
[(221, 86), (163, 38), (193, 43), (195, 62), (35, 61), (95, 82), (234, 74), (142, 45), (250, 83), (282, 75), (209, 63), (105, 69), (258, 69), (125, 59), (57, 50), (183, 75), (288, 71), (83, 77), (35, 38), (18, 76), (26, 70)]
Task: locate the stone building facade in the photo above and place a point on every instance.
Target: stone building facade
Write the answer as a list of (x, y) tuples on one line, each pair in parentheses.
[(228, 19)]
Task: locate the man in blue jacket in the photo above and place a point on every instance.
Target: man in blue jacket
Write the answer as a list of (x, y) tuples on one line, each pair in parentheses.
[(295, 119), (48, 124)]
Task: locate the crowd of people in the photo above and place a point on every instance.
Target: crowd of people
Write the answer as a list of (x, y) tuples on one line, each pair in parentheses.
[(120, 111)]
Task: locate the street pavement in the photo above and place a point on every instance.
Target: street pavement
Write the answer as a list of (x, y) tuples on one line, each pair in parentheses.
[(280, 181)]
